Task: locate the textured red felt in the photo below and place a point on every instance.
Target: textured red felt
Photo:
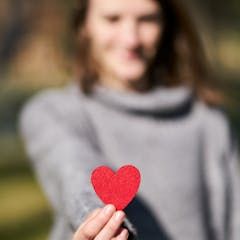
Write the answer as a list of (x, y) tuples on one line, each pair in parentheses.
[(116, 188)]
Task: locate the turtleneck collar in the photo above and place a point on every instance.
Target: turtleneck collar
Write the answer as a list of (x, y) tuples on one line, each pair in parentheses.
[(159, 100)]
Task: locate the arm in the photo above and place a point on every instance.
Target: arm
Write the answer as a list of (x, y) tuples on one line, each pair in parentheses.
[(63, 154), (231, 180), (62, 157), (234, 186), (222, 175)]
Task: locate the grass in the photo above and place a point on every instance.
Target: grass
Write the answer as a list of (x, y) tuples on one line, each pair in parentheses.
[(24, 213)]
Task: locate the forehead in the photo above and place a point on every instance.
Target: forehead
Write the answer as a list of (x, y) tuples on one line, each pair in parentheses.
[(125, 6)]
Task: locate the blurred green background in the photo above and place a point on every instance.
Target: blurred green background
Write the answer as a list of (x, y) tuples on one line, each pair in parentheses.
[(35, 53)]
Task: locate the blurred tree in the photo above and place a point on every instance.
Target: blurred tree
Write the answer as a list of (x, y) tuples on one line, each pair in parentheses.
[(14, 23)]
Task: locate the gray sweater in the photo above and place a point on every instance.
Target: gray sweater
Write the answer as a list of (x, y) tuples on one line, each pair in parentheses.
[(183, 148)]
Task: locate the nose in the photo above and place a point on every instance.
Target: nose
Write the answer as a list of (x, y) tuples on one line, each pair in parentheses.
[(130, 35)]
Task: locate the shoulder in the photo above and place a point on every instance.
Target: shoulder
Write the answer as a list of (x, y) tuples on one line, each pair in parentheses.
[(61, 104), (215, 115), (55, 98), (217, 125), (61, 100)]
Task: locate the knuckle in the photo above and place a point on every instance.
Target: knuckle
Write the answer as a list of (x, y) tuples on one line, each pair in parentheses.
[(101, 218), (112, 226), (86, 234), (95, 211)]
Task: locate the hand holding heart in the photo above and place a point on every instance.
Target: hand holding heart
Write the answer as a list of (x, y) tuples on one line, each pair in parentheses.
[(103, 224), (116, 190)]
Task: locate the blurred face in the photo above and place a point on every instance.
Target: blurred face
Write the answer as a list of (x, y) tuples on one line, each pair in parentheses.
[(124, 35)]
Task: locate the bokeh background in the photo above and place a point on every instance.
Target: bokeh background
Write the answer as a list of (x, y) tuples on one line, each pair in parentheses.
[(36, 52)]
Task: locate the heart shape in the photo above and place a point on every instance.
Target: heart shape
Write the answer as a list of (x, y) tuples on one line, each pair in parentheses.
[(116, 188)]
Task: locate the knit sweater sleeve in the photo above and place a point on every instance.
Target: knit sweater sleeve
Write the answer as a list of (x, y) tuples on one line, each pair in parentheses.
[(63, 151), (234, 176), (230, 163)]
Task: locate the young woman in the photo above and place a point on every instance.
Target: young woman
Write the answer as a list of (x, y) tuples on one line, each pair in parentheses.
[(141, 96)]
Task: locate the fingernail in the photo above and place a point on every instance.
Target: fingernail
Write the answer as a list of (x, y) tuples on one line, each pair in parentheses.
[(108, 209), (119, 215)]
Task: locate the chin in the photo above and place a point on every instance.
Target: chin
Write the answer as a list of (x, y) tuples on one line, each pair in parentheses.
[(131, 76)]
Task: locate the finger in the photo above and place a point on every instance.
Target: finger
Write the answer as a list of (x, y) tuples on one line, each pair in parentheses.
[(91, 229), (111, 228), (123, 235), (92, 215), (118, 231), (88, 218)]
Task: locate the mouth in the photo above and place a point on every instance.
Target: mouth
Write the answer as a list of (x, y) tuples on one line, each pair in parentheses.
[(131, 56)]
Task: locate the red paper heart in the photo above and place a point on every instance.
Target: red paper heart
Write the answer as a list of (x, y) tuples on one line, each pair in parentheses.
[(116, 188)]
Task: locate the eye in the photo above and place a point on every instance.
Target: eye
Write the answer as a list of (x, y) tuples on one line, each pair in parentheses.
[(112, 18), (155, 18)]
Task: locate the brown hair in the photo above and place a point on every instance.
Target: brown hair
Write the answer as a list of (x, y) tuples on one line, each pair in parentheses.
[(180, 58)]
